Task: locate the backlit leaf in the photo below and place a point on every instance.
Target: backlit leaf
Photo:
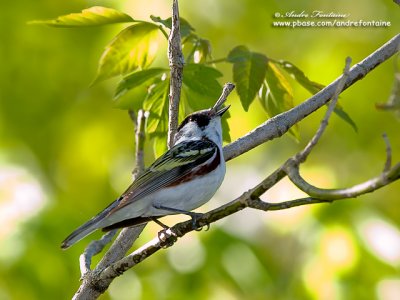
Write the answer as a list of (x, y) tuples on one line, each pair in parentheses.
[(93, 16), (339, 111), (156, 103), (314, 87), (202, 51), (134, 47), (249, 70), (276, 94), (298, 75), (202, 79), (160, 143), (136, 79)]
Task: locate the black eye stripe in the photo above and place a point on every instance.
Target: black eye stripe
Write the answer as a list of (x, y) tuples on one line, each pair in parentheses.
[(201, 120)]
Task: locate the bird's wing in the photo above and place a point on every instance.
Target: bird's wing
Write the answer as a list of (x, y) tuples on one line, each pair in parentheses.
[(169, 169)]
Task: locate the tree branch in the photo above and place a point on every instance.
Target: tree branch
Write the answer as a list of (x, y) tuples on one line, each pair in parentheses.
[(251, 197), (99, 281), (247, 199), (176, 62), (280, 124)]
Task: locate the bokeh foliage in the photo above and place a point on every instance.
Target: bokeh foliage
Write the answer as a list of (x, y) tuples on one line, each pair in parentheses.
[(67, 151)]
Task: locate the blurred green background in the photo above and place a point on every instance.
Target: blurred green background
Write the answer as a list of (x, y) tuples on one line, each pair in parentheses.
[(66, 152)]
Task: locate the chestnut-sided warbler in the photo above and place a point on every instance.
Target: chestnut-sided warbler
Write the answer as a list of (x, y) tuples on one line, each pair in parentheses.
[(182, 179)]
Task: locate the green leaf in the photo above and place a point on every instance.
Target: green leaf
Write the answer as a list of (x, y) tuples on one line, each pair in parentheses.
[(134, 47), (93, 16), (202, 50), (202, 79), (136, 79), (185, 28), (249, 70), (156, 103), (160, 144), (345, 117), (133, 100), (276, 94), (314, 87), (298, 75)]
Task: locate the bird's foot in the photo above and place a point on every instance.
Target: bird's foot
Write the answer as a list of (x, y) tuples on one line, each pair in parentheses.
[(195, 217), (167, 238)]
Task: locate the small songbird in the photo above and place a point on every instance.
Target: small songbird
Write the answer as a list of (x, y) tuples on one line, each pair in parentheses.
[(182, 179)]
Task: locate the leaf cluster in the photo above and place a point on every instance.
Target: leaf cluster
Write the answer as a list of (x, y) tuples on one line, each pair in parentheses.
[(133, 50)]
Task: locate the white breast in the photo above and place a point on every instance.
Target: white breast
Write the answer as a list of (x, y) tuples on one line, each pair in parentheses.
[(189, 195)]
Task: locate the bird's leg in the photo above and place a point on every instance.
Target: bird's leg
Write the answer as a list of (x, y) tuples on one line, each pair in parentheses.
[(195, 216), (163, 234), (155, 220)]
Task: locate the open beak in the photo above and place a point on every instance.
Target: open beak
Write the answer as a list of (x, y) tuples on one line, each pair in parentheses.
[(222, 111), (218, 110)]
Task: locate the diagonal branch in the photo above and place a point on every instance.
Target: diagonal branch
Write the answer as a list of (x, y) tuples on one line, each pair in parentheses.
[(280, 124)]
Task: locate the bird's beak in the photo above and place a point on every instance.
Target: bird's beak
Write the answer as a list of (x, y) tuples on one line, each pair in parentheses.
[(222, 111), (218, 110)]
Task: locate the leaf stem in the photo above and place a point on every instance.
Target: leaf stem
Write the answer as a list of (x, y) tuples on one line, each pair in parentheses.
[(214, 61)]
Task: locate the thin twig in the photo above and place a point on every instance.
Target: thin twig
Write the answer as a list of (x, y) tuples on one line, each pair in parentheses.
[(388, 162), (215, 61), (351, 192), (176, 62), (94, 248), (302, 156)]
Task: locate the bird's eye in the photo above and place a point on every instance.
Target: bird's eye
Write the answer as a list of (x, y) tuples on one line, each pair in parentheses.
[(202, 120)]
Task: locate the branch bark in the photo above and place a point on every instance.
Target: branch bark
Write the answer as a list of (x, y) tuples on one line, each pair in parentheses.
[(176, 62)]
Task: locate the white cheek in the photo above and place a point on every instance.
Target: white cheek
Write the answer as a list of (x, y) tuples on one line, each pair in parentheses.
[(214, 131), (189, 132)]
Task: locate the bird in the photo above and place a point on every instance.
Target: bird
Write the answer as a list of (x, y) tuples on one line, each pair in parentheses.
[(179, 181)]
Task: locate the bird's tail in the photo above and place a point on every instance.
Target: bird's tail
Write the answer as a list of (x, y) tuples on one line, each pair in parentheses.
[(88, 227)]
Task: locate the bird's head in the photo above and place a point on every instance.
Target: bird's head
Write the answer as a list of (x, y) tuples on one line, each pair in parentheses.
[(204, 123)]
